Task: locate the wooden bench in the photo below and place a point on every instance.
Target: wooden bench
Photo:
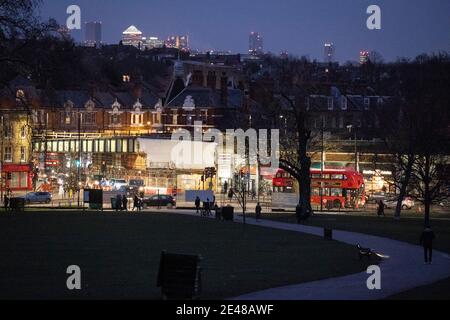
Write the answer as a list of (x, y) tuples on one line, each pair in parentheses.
[(179, 276), (364, 252)]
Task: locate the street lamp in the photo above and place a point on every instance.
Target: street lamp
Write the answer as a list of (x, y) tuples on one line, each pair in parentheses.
[(350, 128)]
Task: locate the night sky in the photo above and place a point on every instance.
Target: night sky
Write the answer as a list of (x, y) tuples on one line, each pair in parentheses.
[(409, 27)]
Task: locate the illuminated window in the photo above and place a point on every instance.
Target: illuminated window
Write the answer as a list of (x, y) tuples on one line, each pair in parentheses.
[(23, 132), (8, 154), (115, 119), (20, 95), (67, 117), (23, 179), (101, 146), (126, 78), (89, 118), (175, 117), (22, 154), (137, 119)]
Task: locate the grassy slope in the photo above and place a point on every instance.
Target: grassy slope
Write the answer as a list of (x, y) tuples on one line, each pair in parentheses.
[(119, 255)]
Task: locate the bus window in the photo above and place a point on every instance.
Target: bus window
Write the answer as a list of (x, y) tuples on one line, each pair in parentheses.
[(315, 191), (337, 177), (336, 192)]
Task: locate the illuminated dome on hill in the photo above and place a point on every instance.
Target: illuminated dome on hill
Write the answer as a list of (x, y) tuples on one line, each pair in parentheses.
[(132, 37), (132, 30)]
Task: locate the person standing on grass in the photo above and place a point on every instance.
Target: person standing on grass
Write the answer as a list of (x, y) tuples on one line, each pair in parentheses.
[(258, 210), (426, 240), (197, 203)]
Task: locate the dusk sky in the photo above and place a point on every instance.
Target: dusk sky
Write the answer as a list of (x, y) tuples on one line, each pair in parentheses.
[(409, 27)]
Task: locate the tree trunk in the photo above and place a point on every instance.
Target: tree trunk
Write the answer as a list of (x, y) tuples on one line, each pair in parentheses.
[(404, 185), (427, 195), (304, 208)]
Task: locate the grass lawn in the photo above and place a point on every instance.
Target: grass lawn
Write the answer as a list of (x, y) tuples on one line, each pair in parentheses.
[(436, 291), (406, 229), (119, 255)]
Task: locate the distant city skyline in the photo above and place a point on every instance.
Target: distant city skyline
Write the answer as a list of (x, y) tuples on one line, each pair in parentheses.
[(300, 27), (93, 34)]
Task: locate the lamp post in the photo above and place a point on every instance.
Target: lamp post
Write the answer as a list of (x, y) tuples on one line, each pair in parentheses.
[(350, 128), (322, 164), (79, 157), (1, 159)]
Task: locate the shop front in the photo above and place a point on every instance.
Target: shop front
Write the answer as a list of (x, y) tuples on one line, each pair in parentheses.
[(17, 177)]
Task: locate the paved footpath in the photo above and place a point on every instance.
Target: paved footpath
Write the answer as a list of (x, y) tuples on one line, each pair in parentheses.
[(401, 271)]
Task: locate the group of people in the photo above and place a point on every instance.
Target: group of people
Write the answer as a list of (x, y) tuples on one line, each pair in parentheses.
[(207, 205), (122, 203)]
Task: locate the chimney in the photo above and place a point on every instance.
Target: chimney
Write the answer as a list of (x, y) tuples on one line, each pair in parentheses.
[(224, 90), (92, 88)]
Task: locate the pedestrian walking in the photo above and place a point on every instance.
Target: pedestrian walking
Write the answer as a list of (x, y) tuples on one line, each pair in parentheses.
[(125, 202), (258, 210), (380, 210), (206, 207), (426, 240), (118, 202), (197, 203), (230, 195), (141, 203), (136, 203), (225, 187), (6, 202)]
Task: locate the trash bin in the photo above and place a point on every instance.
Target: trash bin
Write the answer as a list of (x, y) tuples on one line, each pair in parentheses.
[(328, 233), (228, 213), (113, 203)]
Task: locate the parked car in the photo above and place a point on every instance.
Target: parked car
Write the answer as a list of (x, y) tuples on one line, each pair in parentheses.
[(136, 186), (161, 200), (116, 184), (377, 196), (38, 197), (391, 203)]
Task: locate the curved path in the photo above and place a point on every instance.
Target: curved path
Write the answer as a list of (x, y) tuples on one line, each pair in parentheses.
[(402, 270)]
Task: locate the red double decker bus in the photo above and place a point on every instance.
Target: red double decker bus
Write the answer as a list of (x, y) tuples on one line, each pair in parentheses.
[(336, 188)]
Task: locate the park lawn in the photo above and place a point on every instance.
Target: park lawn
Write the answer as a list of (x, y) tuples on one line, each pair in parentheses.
[(406, 229), (119, 255), (437, 291)]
